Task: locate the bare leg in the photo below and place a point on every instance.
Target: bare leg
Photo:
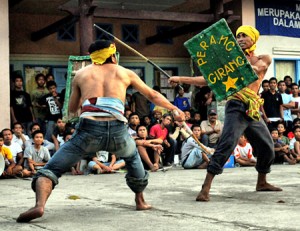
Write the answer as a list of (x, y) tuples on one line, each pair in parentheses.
[(144, 155), (263, 185), (140, 202), (43, 191), (204, 193)]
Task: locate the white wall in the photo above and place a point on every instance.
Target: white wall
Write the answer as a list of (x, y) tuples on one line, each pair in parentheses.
[(4, 66), (276, 46)]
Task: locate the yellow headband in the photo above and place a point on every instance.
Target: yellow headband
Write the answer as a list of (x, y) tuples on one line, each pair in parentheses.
[(252, 33), (100, 56)]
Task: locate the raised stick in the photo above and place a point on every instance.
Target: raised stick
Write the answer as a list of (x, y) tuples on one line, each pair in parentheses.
[(135, 51)]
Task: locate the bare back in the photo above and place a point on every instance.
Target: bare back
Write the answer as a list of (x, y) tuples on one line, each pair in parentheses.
[(108, 80)]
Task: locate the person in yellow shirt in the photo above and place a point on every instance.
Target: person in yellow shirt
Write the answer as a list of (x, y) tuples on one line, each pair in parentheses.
[(8, 158)]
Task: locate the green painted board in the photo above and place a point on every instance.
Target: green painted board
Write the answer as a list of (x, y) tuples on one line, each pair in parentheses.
[(221, 60)]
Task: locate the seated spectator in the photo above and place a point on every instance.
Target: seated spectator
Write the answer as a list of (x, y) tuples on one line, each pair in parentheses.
[(18, 136), (149, 149), (188, 119), (211, 129), (60, 130), (127, 113), (196, 118), (105, 162), (8, 158), (243, 153), (191, 152), (36, 156), (76, 168), (281, 131), (156, 117), (49, 145), (146, 121), (180, 101), (296, 153), (160, 131), (282, 152), (16, 151), (133, 122)]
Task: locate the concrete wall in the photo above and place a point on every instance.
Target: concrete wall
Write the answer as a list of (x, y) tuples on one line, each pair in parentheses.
[(278, 47), (4, 66)]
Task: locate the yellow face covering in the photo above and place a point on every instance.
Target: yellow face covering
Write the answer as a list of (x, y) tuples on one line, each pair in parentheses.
[(100, 56), (252, 33)]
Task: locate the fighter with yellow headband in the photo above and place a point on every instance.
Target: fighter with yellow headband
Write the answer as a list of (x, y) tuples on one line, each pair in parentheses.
[(100, 56), (241, 117)]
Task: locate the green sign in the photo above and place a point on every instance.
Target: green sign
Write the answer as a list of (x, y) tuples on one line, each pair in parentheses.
[(221, 60)]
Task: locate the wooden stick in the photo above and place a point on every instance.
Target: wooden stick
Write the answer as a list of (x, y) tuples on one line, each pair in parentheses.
[(135, 52)]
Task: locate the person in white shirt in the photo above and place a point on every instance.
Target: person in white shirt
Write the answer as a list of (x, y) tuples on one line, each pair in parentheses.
[(18, 136), (243, 153)]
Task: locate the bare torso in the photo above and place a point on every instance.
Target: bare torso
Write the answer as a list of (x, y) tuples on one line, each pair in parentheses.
[(107, 80), (260, 65)]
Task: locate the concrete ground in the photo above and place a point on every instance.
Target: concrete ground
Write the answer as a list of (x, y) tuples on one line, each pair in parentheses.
[(106, 203)]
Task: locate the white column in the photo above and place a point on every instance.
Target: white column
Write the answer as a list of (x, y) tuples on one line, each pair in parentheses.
[(4, 66)]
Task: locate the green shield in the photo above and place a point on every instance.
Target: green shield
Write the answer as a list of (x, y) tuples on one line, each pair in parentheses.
[(221, 60)]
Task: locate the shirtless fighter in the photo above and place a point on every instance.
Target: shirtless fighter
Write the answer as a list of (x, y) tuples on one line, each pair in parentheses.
[(100, 90), (240, 119)]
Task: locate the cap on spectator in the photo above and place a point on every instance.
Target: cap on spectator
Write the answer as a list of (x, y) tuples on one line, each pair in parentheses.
[(212, 112)]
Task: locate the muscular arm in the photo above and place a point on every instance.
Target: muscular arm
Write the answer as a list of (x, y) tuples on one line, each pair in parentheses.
[(74, 102), (198, 81)]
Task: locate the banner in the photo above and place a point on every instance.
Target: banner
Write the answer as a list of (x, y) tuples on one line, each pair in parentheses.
[(278, 17), (221, 60)]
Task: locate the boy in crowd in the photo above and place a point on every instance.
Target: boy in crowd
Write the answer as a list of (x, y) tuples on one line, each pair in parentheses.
[(20, 105), (18, 136), (36, 156), (149, 149), (104, 162), (8, 158), (180, 101), (296, 152), (243, 153), (282, 152), (191, 152)]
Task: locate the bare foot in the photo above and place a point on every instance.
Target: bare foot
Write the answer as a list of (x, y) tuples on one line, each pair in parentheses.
[(266, 187), (31, 214), (154, 168), (140, 202), (203, 195)]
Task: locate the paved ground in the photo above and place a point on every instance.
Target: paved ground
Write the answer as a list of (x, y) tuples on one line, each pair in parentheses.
[(107, 204)]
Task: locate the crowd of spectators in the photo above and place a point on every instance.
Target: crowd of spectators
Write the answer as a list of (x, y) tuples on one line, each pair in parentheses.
[(38, 129)]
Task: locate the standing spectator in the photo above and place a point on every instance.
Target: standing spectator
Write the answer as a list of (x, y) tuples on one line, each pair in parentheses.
[(49, 77), (40, 112), (20, 105), (53, 103), (288, 82), (265, 86), (196, 118), (203, 99), (140, 104), (296, 99), (36, 156), (211, 129), (272, 109), (243, 153), (180, 101), (287, 105)]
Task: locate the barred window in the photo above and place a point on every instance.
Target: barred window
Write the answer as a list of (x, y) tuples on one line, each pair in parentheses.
[(130, 33), (67, 33)]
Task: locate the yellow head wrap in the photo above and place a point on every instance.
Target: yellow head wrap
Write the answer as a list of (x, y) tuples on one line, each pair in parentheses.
[(252, 33), (100, 56)]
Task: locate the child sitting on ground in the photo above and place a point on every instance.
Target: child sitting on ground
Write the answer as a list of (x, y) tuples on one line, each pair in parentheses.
[(243, 153), (297, 143), (282, 152)]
